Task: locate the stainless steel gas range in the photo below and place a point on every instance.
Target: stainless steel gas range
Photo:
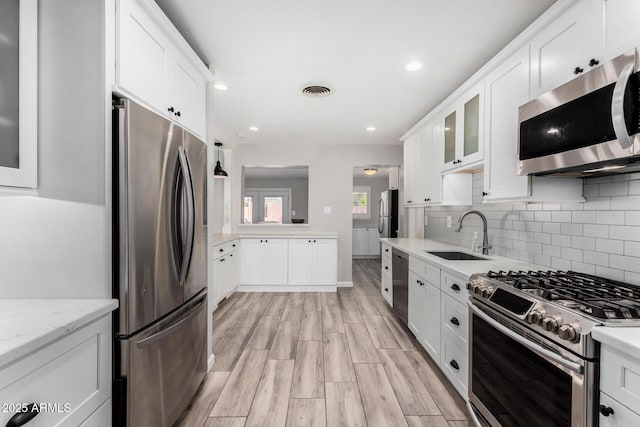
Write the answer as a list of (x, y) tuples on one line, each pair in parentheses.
[(532, 359)]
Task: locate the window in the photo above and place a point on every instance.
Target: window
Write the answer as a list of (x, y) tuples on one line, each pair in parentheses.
[(361, 201)]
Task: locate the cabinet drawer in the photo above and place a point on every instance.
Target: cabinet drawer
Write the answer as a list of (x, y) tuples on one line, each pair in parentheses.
[(425, 270), (386, 250), (455, 287), (454, 318), (224, 249), (74, 371), (621, 416), (386, 265), (620, 377), (453, 362), (387, 287)]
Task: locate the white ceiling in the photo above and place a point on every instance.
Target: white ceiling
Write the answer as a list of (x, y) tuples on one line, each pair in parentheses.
[(267, 51)]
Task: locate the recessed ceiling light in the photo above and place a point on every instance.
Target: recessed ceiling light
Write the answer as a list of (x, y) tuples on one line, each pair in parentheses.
[(413, 66), (221, 86), (371, 128), (254, 128)]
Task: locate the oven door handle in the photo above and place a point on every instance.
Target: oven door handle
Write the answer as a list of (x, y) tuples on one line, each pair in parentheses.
[(617, 107), (575, 367), (472, 412)]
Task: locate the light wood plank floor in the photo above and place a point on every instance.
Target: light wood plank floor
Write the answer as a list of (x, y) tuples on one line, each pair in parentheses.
[(309, 359)]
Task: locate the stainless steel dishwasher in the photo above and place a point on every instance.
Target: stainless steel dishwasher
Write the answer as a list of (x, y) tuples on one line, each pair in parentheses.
[(400, 269)]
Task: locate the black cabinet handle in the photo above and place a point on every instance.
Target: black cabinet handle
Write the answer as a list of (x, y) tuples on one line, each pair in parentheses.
[(454, 365), (230, 254), (314, 241), (21, 418), (178, 113), (171, 109), (309, 241), (266, 241), (386, 250), (593, 62), (386, 289), (221, 250), (578, 70), (409, 201), (222, 259), (455, 321), (260, 241), (604, 410), (386, 267), (484, 194), (427, 200), (455, 287), (234, 245)]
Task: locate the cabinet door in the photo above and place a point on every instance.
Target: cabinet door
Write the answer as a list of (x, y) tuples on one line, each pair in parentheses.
[(233, 271), (568, 42), (275, 261), (142, 55), (300, 261), (251, 261), (413, 170), (325, 262), (416, 305), (187, 96), (506, 89), (432, 143), (360, 242), (621, 29), (219, 278), (431, 314), (449, 151), (471, 126), (18, 93), (373, 241)]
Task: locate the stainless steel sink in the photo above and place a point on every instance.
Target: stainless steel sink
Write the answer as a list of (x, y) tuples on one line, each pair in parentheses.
[(457, 256)]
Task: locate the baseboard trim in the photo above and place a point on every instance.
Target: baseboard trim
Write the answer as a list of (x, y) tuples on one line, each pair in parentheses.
[(345, 284), (211, 361), (287, 288)]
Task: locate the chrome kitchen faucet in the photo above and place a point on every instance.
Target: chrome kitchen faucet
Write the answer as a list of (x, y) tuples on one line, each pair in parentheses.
[(485, 239)]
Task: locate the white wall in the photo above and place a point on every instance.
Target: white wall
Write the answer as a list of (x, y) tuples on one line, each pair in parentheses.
[(330, 185), (56, 245)]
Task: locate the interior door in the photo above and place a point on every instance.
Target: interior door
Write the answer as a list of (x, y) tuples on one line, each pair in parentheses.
[(196, 277), (148, 159)]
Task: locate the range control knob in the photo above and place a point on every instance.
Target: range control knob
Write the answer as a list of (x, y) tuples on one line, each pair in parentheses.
[(552, 323), (477, 289), (536, 315), (486, 291), (569, 332)]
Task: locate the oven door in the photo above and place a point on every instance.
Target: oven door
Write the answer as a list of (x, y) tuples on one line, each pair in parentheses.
[(517, 378)]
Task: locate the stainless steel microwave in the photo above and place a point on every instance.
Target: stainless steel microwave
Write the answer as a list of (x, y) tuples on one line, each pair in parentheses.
[(588, 126)]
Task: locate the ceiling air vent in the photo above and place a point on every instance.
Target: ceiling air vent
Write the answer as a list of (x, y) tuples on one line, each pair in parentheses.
[(316, 91)]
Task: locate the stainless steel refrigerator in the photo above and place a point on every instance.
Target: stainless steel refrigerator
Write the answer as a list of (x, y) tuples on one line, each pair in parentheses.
[(388, 222), (160, 269)]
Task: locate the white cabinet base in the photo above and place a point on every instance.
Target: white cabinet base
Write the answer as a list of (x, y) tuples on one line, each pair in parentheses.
[(287, 288)]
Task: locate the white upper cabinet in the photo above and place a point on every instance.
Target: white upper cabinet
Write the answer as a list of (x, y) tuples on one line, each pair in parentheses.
[(566, 48), (507, 88), (413, 170), (155, 65), (19, 94), (463, 125), (621, 29)]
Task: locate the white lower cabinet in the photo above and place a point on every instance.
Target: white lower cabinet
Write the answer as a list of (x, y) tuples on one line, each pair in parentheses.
[(619, 388), (618, 415), (264, 261), (416, 305), (454, 361), (100, 418), (312, 261), (424, 313), (365, 242), (225, 270), (386, 287), (74, 370)]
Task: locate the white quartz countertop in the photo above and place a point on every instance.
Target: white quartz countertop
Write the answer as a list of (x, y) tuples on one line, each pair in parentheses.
[(420, 248), (224, 238), (28, 324), (624, 339)]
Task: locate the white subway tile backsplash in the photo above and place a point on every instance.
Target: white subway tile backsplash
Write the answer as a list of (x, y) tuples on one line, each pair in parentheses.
[(571, 229), (572, 254), (593, 230), (584, 217), (601, 236), (614, 189), (610, 246), (610, 217), (624, 232), (560, 216), (588, 243)]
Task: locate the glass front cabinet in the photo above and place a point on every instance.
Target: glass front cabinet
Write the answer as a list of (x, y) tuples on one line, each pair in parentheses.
[(463, 130), (18, 94)]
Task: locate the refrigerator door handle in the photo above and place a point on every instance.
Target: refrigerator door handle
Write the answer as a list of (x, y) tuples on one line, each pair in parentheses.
[(188, 183), (164, 332), (381, 212)]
